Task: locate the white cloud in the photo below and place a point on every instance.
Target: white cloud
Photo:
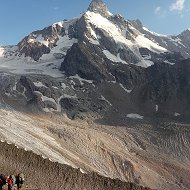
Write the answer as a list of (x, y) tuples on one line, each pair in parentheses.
[(177, 6), (157, 10), (55, 8)]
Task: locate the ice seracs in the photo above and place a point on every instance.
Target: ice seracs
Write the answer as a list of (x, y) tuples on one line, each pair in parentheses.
[(1, 51)]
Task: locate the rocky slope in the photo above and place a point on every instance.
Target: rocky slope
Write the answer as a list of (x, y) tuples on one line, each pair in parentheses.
[(45, 175), (94, 50), (95, 88), (147, 152)]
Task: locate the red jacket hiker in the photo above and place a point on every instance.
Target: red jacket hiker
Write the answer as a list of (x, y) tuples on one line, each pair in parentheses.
[(10, 183)]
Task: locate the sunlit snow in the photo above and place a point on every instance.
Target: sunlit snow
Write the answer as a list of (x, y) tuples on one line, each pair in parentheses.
[(154, 33), (146, 43), (113, 58)]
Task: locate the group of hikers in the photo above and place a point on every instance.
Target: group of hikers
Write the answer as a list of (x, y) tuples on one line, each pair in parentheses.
[(13, 182)]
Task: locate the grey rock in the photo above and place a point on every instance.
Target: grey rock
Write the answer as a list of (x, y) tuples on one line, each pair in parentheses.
[(79, 60), (59, 55), (98, 6)]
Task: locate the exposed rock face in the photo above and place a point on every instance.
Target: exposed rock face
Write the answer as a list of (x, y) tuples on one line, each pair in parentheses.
[(34, 50), (92, 86), (130, 76), (40, 42), (80, 60), (171, 58), (169, 87), (98, 6), (161, 84)]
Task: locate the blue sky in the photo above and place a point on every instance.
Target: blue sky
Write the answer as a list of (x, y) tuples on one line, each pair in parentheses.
[(20, 17)]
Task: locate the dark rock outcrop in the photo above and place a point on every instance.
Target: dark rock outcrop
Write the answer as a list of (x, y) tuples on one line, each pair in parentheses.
[(84, 61)]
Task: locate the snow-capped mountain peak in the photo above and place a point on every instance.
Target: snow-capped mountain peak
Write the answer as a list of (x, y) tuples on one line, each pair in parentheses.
[(120, 40)]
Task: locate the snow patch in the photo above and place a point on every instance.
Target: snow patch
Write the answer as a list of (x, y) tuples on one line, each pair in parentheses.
[(114, 58), (63, 85), (81, 80), (39, 84), (104, 99), (2, 50), (31, 40), (168, 62), (109, 13), (63, 44), (61, 23), (126, 90), (134, 116), (113, 81), (94, 38), (176, 114), (41, 39), (70, 96), (45, 98), (95, 42), (146, 43), (14, 87), (25, 65), (100, 22), (7, 94), (82, 171), (145, 63), (157, 108)]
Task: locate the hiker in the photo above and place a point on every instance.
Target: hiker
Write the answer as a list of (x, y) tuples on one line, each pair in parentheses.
[(20, 180), (9, 182), (2, 181), (13, 179)]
